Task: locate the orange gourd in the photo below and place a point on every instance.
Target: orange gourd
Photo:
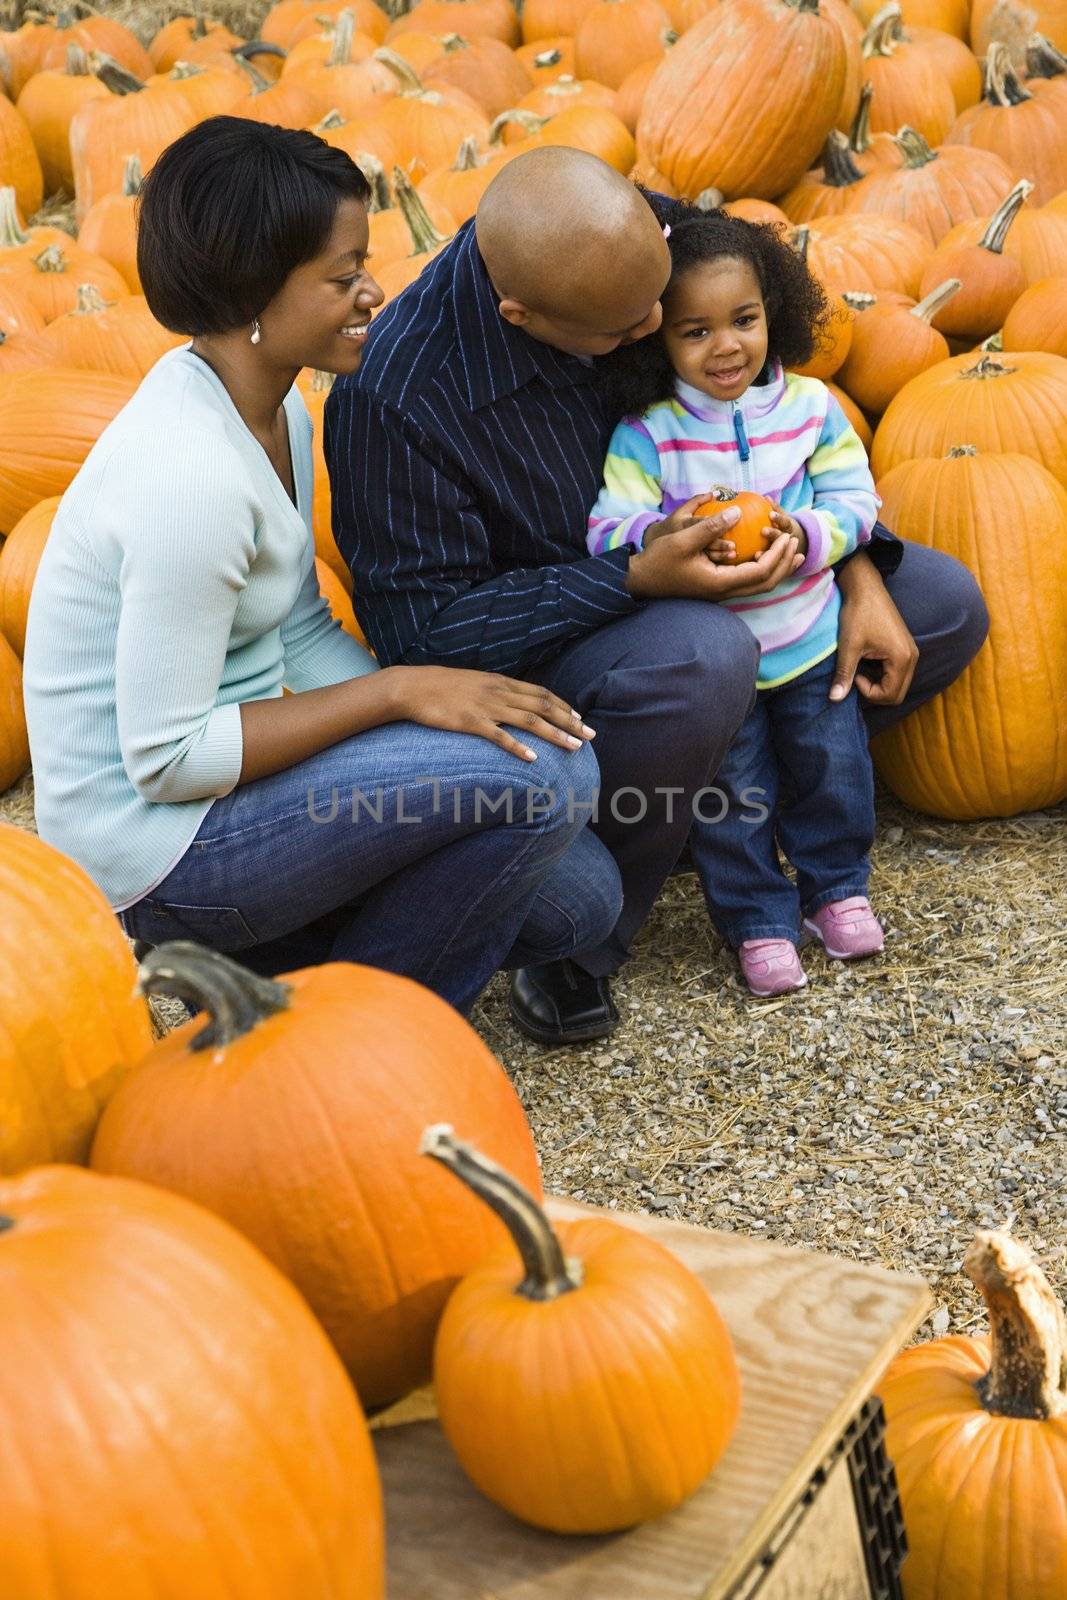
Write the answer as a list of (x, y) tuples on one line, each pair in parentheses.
[(110, 227), (338, 599), (424, 240), (418, 129), (549, 99), (318, 48), (99, 335), (834, 342), (73, 1026), (934, 190), (891, 344), (728, 59), (991, 281), (49, 421), (20, 165), (47, 105), (484, 68), (286, 102), (14, 761), (1027, 128), (909, 86), (615, 36), (1015, 403), (864, 431), (746, 536), (829, 190), (870, 150), (459, 187), (974, 1414), (1014, 22), (592, 1390), (348, 80), (951, 55), (1038, 319), (756, 211), (131, 121), (1037, 239), (21, 54), (547, 60), (172, 43), (315, 388), (995, 742), (549, 19), (208, 91), (292, 20), (213, 1433), (295, 1113), (867, 253), (50, 280), (594, 129), (20, 556), (630, 95), (96, 34), (469, 18)]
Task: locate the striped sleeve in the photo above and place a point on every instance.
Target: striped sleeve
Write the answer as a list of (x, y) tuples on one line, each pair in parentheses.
[(632, 496), (845, 505)]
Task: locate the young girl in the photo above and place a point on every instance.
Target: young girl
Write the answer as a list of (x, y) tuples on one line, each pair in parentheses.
[(707, 403)]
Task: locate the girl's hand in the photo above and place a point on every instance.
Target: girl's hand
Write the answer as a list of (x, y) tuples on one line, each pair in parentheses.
[(722, 552), (784, 523), (463, 701)]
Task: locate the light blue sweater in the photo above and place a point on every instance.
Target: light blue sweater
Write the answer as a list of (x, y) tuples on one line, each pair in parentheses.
[(177, 582)]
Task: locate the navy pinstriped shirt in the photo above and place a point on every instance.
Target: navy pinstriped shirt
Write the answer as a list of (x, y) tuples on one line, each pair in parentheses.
[(464, 457)]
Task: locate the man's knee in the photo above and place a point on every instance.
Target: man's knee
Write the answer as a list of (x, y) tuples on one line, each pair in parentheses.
[(969, 609), (705, 644)]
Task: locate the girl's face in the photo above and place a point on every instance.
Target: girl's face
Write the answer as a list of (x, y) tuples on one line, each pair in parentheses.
[(715, 327), (321, 315)]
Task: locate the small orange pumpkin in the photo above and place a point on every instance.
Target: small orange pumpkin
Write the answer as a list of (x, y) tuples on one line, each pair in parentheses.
[(171, 44), (484, 68), (459, 187), (909, 85), (891, 344), (595, 1388), (615, 36), (747, 535), (48, 104), (1016, 121), (121, 336), (50, 281), (991, 281), (547, 60)]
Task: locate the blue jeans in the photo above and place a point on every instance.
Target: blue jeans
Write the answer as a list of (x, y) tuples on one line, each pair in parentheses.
[(435, 855), (797, 776)]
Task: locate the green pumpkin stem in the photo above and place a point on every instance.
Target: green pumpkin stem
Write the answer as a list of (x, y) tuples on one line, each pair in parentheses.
[(424, 236), (859, 135), (1002, 86), (1027, 1374), (839, 169), (1043, 60), (528, 121), (112, 75), (987, 367), (1003, 217), (234, 999), (548, 1272), (913, 147), (410, 82)]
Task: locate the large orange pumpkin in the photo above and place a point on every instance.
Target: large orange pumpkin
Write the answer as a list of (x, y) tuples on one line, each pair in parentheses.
[(548, 19), (172, 43), (21, 54), (484, 68), (471, 19), (615, 36), (50, 281), (1038, 319), (209, 1441), (955, 60), (47, 105), (994, 743), (73, 1026), (20, 556), (110, 227), (909, 85), (893, 343), (591, 128), (858, 252), (292, 20), (1016, 402), (935, 189), (977, 1430), (460, 186), (296, 1111), (1025, 126), (418, 129), (49, 421), (991, 280), (99, 34), (20, 165), (132, 121), (732, 59), (592, 1388), (1037, 239), (99, 335)]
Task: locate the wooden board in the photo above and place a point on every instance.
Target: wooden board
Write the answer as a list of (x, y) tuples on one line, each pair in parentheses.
[(813, 1333)]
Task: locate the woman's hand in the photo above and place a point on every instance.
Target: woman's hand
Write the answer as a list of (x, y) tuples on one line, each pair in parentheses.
[(462, 701), (871, 629)]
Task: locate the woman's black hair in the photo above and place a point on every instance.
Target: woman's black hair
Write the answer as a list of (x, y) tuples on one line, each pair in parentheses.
[(635, 376), (228, 211)]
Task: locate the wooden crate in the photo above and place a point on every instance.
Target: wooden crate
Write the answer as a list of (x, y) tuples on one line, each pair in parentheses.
[(776, 1520)]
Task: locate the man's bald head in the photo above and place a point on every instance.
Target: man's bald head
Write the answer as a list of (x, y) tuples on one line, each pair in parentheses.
[(573, 250)]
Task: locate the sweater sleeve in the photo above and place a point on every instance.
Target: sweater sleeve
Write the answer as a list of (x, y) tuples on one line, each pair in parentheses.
[(185, 533), (845, 505), (317, 650), (632, 496)]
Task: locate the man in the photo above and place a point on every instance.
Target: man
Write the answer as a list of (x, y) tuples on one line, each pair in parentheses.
[(464, 458)]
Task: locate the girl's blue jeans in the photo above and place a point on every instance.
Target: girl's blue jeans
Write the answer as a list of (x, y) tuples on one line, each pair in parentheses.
[(435, 855), (798, 778)]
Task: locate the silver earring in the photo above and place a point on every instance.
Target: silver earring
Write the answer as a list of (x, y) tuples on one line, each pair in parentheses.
[(255, 331)]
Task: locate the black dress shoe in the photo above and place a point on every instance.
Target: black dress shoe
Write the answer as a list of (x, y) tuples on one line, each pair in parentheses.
[(557, 1002)]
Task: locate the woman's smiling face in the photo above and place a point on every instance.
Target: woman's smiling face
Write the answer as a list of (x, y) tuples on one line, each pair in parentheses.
[(320, 316), (715, 327)]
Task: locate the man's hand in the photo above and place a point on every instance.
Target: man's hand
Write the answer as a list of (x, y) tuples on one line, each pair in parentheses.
[(871, 629), (683, 517), (685, 565)]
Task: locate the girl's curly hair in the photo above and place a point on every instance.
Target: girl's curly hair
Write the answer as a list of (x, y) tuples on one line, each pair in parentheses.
[(635, 376)]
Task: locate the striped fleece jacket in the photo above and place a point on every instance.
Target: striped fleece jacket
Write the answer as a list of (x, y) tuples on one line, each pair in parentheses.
[(787, 439)]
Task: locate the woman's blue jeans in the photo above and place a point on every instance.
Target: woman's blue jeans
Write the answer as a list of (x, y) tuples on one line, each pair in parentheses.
[(435, 855)]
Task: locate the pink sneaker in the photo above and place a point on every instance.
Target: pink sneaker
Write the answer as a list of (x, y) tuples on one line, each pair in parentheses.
[(847, 928), (771, 966)]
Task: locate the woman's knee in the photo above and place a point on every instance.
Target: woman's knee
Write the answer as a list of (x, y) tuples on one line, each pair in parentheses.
[(563, 784)]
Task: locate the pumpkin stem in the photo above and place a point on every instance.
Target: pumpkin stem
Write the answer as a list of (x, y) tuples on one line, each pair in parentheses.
[(800, 240), (1043, 60), (526, 120), (548, 1272), (709, 200), (6, 1222), (1027, 1374), (374, 172), (987, 367), (839, 169), (424, 236), (913, 147), (1003, 217), (451, 42), (234, 998), (466, 157), (565, 87), (341, 49), (809, 5), (994, 342), (410, 82), (257, 47), (859, 299), (51, 259), (11, 232), (256, 79), (77, 62), (883, 34), (859, 135), (90, 301), (132, 177), (962, 450), (332, 119), (112, 75), (552, 58), (1002, 87), (927, 309)]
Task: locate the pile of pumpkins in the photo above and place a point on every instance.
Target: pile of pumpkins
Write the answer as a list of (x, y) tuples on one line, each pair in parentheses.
[(219, 1249), (916, 152)]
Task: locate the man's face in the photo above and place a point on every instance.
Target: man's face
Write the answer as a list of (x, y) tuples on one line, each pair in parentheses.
[(598, 321), (578, 339)]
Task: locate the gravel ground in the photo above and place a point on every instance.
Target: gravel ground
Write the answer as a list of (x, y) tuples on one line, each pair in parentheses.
[(883, 1113)]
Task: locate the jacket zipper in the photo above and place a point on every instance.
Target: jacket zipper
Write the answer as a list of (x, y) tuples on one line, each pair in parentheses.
[(744, 449)]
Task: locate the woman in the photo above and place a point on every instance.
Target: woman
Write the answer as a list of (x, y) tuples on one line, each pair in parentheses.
[(390, 815)]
